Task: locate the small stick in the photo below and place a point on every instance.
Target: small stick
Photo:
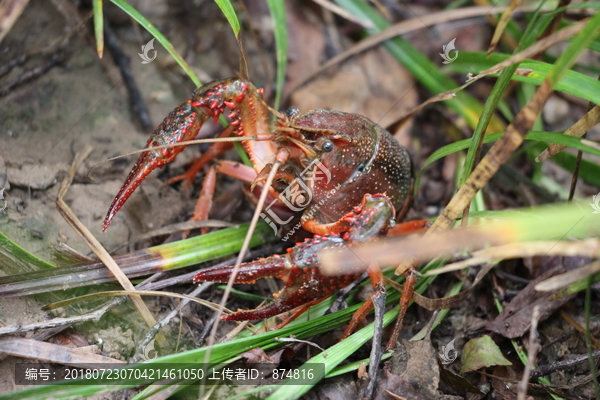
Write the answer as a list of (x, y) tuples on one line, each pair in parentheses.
[(95, 245), (376, 353), (534, 348), (152, 332), (135, 97), (544, 370), (259, 207), (293, 339)]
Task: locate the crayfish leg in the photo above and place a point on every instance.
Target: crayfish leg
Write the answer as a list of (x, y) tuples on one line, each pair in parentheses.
[(377, 280), (407, 295), (215, 150)]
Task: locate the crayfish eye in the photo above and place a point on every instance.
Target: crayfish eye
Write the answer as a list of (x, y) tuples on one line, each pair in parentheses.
[(292, 112), (324, 144), (327, 146)]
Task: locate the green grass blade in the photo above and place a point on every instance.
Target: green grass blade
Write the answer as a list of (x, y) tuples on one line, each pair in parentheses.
[(277, 9), (427, 73), (133, 13), (534, 30), (99, 26), (213, 245), (9, 250), (229, 12), (573, 82), (547, 137)]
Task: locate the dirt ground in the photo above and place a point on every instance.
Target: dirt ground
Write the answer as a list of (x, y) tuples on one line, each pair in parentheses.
[(82, 101)]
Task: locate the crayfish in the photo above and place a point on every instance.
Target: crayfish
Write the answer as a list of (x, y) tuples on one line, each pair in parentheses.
[(349, 172)]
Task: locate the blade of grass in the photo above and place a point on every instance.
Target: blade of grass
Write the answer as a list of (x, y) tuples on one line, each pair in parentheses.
[(549, 137), (139, 18), (534, 29), (99, 26), (17, 254), (277, 9), (227, 9), (422, 69), (573, 82)]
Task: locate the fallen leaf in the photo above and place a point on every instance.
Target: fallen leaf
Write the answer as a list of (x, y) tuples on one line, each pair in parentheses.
[(481, 353)]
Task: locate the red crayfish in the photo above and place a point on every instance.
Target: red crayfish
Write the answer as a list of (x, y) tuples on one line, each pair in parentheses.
[(347, 173)]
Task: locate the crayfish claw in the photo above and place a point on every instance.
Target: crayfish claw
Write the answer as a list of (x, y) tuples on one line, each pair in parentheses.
[(182, 124)]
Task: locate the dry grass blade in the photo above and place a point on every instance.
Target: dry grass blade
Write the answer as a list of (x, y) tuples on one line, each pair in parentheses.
[(393, 250), (343, 13), (577, 130), (113, 293), (95, 245), (561, 281), (448, 301), (238, 262), (49, 352), (512, 138), (504, 20), (539, 46), (10, 11), (402, 28), (584, 248)]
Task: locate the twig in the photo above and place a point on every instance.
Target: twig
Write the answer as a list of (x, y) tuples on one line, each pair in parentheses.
[(544, 370), (152, 332), (293, 339), (122, 61), (534, 348), (31, 74), (342, 294), (379, 298), (95, 245)]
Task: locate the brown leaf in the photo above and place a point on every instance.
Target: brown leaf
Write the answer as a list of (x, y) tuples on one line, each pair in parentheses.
[(257, 355), (515, 320), (381, 89), (413, 371)]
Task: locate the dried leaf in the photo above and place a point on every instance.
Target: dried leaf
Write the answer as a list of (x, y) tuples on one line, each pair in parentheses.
[(481, 353)]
